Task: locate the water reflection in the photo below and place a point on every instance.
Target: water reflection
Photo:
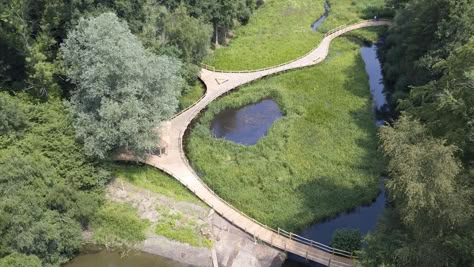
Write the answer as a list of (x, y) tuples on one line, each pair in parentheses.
[(248, 124)]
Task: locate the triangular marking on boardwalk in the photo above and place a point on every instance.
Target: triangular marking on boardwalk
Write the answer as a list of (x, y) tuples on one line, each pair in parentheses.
[(221, 81)]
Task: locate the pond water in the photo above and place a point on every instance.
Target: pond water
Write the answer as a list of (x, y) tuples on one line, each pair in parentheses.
[(115, 259), (363, 218), (320, 21), (246, 125)]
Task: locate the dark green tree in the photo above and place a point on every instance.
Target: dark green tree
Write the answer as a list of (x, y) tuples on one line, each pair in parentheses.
[(123, 91)]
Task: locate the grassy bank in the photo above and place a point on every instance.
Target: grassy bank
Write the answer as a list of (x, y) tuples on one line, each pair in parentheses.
[(118, 225), (190, 97), (281, 31), (154, 180), (318, 160), (178, 217), (183, 228)]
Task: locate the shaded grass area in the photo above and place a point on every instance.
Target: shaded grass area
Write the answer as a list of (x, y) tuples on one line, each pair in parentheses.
[(177, 226), (281, 31), (118, 225), (154, 180), (320, 159), (190, 97)]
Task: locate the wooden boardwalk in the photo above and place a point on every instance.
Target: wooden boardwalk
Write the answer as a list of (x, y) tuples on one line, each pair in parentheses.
[(176, 164)]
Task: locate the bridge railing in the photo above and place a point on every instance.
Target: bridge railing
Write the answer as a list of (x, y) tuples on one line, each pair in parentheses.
[(280, 232), (327, 34)]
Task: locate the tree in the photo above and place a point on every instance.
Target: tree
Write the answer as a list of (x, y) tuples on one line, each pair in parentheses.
[(423, 34), (347, 239), (12, 116), (189, 35), (123, 91), (446, 105), (432, 206), (20, 260)]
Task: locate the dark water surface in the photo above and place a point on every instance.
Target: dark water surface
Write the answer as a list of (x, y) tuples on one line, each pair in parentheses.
[(320, 21), (363, 218), (115, 259), (248, 124), (374, 70)]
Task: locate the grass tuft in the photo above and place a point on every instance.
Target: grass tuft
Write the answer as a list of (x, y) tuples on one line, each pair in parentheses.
[(118, 225), (177, 226), (154, 180)]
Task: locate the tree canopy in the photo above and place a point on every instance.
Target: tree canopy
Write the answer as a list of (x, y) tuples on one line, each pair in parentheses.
[(48, 189), (123, 91), (429, 71)]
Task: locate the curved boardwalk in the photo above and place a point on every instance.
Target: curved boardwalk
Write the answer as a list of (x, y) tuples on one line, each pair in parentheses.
[(176, 164)]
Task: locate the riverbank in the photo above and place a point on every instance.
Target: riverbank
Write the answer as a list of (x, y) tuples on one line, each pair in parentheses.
[(182, 228)]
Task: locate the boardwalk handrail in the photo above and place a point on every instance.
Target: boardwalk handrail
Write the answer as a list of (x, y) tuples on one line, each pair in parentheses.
[(279, 231), (327, 34)]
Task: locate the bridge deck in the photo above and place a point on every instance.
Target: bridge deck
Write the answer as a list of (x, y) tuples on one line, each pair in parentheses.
[(176, 164)]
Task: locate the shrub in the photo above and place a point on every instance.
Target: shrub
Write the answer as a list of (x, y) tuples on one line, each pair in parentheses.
[(347, 239)]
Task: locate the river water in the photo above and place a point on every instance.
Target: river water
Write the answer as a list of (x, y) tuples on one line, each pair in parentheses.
[(320, 21), (115, 259)]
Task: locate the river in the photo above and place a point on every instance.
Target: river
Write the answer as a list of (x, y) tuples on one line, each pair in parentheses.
[(363, 218)]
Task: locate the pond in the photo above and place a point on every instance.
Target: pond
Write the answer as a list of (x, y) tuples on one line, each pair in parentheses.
[(363, 218), (116, 259), (320, 21), (246, 125)]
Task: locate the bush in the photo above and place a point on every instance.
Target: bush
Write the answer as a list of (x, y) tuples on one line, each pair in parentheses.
[(347, 239), (118, 225), (20, 260)]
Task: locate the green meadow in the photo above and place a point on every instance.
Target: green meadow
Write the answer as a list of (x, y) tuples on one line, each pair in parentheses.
[(280, 31), (320, 159)]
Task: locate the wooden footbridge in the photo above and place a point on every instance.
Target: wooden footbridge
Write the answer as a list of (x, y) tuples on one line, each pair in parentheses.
[(175, 163)]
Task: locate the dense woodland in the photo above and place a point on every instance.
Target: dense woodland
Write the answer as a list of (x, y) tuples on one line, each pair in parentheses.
[(81, 79), (68, 71), (429, 72)]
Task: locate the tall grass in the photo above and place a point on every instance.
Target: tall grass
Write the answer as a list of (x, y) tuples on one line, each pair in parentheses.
[(281, 31), (318, 160), (154, 180), (180, 227), (118, 225), (188, 98)]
